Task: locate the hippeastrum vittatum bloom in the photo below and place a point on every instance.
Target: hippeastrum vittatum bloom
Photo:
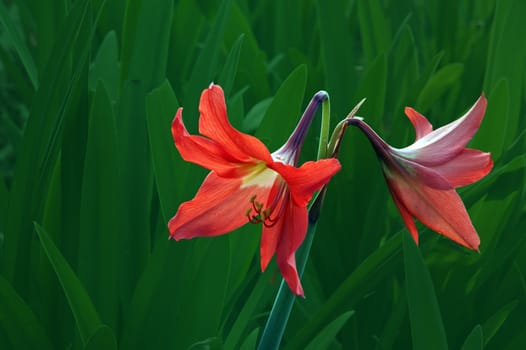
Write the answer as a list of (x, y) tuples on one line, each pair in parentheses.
[(422, 177), (247, 183)]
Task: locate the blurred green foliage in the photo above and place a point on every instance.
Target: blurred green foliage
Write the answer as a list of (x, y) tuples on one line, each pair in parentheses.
[(90, 177)]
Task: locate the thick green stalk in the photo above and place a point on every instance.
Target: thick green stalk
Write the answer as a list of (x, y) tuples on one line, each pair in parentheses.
[(279, 315)]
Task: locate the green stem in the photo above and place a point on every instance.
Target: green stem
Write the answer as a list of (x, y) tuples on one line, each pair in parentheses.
[(279, 315), (325, 125), (282, 307)]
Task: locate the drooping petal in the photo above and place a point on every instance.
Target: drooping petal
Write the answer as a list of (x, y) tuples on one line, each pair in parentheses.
[(406, 215), (467, 167), (200, 150), (219, 207), (446, 142), (421, 124), (213, 123), (440, 210), (308, 178), (292, 234)]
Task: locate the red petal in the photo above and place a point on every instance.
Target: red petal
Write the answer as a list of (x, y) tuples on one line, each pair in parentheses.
[(421, 173), (421, 124), (308, 178), (442, 211), (271, 235), (213, 123), (219, 207), (200, 150), (292, 233), (446, 142), (467, 167), (406, 215)]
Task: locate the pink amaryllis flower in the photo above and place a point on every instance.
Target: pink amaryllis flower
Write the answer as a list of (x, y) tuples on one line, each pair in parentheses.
[(249, 184), (422, 177)]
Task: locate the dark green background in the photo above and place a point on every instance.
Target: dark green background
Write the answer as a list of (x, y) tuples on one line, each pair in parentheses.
[(90, 175)]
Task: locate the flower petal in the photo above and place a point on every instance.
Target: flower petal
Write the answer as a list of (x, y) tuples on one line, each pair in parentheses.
[(446, 142), (406, 215), (200, 150), (219, 207), (440, 210), (421, 124), (467, 167), (308, 178), (213, 123), (419, 172), (292, 233)]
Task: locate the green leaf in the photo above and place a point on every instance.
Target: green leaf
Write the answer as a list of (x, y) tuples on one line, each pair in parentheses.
[(250, 341), (106, 67), (143, 298), (374, 269), (102, 339), (161, 105), (427, 328), (100, 206), (39, 149), (255, 116), (146, 35), (4, 196), (136, 186), (227, 77), (250, 307), (205, 66), (284, 110), (475, 340), (86, 316), (373, 87), (20, 46), (19, 322), (325, 338), (492, 134), (506, 60), (374, 30), (439, 84), (493, 324)]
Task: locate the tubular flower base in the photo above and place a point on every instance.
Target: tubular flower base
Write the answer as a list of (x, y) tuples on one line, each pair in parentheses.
[(422, 177), (249, 184)]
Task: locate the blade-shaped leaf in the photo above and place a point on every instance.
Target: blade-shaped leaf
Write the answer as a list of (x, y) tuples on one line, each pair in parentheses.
[(324, 339), (19, 45), (19, 322), (427, 328), (475, 340), (86, 316), (284, 110)]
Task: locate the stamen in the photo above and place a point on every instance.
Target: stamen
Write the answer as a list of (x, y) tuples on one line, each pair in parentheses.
[(265, 215)]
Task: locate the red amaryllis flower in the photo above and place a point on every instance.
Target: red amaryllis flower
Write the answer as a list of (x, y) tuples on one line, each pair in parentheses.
[(249, 184), (423, 176)]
